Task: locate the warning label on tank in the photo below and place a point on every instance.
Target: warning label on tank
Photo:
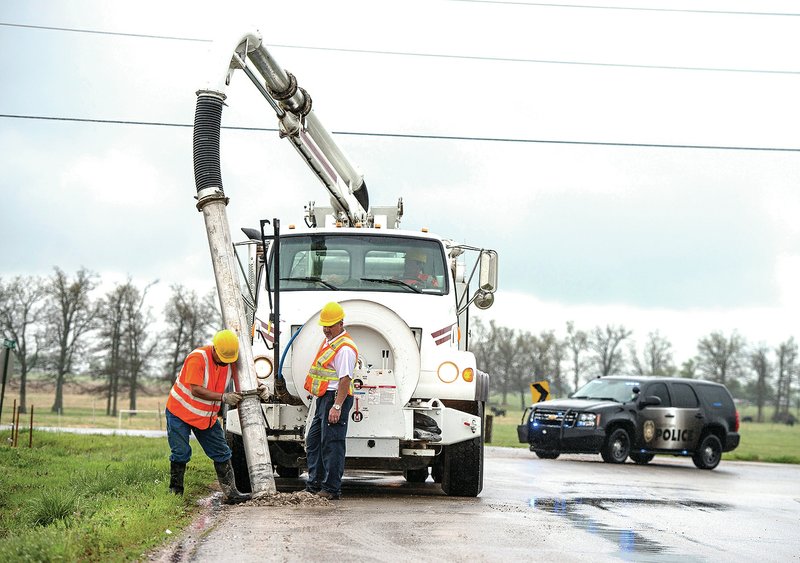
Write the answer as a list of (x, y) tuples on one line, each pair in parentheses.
[(381, 394)]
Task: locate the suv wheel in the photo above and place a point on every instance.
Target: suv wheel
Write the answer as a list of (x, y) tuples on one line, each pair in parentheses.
[(708, 453), (640, 458), (546, 455), (618, 447)]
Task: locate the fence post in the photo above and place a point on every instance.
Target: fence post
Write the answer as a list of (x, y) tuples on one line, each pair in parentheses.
[(30, 437)]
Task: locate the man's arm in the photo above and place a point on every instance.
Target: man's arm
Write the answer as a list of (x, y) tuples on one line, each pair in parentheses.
[(341, 395)]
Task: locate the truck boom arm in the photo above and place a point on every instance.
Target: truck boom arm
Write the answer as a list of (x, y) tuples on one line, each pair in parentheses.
[(297, 122)]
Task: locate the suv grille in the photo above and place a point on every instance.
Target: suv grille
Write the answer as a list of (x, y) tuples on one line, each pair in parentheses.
[(552, 417)]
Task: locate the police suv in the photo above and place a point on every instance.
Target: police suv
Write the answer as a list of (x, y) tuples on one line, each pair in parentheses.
[(637, 417)]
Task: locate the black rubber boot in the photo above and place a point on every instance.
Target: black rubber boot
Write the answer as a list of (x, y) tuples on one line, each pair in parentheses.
[(228, 483), (176, 472)]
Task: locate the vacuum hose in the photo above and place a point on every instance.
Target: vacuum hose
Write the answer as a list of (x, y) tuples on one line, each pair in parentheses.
[(207, 125)]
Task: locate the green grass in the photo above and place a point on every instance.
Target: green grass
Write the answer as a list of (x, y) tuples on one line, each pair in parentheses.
[(775, 443), (91, 498)]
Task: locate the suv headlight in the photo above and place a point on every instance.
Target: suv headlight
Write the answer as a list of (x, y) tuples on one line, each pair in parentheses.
[(588, 420)]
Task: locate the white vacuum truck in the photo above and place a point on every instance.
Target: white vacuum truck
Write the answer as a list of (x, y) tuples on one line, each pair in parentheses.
[(419, 396)]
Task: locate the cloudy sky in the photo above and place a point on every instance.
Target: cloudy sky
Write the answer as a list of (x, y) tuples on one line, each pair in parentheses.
[(633, 163)]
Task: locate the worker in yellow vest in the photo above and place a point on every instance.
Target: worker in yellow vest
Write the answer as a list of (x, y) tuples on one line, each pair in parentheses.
[(330, 380), (192, 407)]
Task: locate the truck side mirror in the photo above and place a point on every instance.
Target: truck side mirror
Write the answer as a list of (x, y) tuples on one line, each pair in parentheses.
[(651, 401), (487, 277)]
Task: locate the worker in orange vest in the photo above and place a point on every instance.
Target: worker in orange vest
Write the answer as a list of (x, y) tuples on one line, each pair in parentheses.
[(192, 406), (330, 380)]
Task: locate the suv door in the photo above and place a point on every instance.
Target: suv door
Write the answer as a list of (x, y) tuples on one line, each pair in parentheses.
[(655, 422), (689, 417)]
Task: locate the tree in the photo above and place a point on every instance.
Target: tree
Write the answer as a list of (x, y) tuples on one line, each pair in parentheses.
[(70, 316), (577, 342), (763, 370), (785, 370), (720, 358), (544, 353), (656, 356), (123, 322), (605, 344), (139, 347), (190, 321), (21, 310)]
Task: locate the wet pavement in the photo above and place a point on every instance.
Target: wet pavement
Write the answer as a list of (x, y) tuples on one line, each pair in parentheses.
[(575, 508)]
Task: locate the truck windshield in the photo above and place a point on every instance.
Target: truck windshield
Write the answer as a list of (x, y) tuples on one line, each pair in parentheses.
[(362, 263), (619, 390)]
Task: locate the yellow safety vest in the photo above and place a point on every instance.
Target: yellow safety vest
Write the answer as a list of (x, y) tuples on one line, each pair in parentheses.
[(322, 371)]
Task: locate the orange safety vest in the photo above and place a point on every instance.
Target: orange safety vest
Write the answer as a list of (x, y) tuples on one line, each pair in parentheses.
[(199, 369), (322, 371)]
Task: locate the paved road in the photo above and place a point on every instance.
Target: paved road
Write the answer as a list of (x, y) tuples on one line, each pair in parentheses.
[(575, 508)]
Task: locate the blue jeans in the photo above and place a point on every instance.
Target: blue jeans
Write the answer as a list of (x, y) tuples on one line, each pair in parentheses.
[(325, 445), (212, 440)]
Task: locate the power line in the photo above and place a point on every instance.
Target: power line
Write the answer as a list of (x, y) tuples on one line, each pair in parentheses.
[(100, 32), (417, 54), (627, 8), (415, 136)]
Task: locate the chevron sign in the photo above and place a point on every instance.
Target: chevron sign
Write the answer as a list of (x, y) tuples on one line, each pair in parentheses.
[(540, 391)]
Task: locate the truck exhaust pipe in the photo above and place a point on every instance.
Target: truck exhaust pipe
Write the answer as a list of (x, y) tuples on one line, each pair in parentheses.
[(211, 201)]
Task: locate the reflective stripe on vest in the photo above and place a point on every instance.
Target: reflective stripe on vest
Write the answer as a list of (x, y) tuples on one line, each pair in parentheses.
[(322, 371), (200, 413)]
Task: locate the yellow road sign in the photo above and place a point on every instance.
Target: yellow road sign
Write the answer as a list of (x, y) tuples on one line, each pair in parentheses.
[(540, 391)]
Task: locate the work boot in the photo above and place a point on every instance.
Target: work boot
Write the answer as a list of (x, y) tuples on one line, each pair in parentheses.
[(227, 483), (176, 472)]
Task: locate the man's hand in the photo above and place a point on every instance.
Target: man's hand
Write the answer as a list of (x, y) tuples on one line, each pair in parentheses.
[(263, 392), (232, 399)]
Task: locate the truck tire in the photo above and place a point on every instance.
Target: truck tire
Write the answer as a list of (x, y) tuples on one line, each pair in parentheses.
[(239, 462), (546, 455), (617, 447), (462, 474), (640, 458), (709, 453), (419, 475)]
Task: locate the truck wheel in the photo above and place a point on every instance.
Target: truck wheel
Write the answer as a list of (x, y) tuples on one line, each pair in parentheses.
[(709, 453), (640, 458), (462, 474), (546, 455), (239, 462), (416, 475), (618, 447)]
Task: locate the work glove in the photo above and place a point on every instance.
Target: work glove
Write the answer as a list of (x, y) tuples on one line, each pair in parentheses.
[(263, 392), (231, 399)]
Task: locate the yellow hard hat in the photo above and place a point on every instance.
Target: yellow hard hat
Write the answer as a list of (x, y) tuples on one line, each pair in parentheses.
[(331, 314), (417, 255), (226, 344)]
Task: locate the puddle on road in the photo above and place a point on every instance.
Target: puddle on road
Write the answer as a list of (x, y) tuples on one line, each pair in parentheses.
[(632, 544)]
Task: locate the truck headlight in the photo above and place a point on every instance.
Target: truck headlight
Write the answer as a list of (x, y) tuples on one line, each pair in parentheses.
[(588, 420)]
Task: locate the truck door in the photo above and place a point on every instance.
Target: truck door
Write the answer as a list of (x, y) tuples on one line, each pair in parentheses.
[(689, 419)]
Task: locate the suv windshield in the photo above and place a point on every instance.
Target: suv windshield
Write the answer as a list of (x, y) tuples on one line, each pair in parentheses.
[(360, 262), (620, 390)]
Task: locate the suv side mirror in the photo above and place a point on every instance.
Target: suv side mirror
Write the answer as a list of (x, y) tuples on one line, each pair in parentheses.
[(651, 401)]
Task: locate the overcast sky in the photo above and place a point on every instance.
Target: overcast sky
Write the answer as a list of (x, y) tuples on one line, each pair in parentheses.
[(633, 163)]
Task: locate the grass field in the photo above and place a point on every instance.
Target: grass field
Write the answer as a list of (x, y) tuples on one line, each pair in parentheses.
[(760, 441), (69, 498)]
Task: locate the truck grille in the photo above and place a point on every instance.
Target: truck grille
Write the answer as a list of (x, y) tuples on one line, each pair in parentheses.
[(552, 417)]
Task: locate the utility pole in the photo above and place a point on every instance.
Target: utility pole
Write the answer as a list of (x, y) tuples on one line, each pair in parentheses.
[(8, 345)]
